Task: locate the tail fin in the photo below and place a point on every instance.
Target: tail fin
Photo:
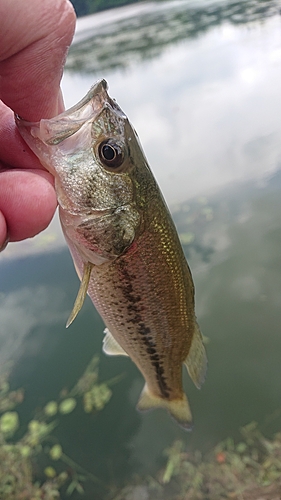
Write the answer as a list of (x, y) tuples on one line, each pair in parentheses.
[(178, 408)]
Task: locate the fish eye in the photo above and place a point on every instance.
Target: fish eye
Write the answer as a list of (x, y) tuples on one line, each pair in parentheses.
[(111, 153)]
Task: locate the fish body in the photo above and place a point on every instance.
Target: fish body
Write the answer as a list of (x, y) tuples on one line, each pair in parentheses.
[(124, 245)]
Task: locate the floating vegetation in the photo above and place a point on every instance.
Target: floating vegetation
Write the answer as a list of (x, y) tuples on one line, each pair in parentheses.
[(194, 221), (19, 479), (121, 43), (187, 238)]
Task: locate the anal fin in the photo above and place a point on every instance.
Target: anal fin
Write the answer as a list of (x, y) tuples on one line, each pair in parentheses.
[(82, 292), (196, 360), (111, 346)]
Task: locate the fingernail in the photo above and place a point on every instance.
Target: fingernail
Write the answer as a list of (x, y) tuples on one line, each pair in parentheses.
[(61, 107), (5, 243)]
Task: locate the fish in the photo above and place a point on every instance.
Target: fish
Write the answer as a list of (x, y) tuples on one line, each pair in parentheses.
[(124, 246)]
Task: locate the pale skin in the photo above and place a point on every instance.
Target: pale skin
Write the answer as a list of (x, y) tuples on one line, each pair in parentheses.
[(34, 39)]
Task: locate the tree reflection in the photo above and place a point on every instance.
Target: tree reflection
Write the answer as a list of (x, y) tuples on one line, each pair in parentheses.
[(125, 42)]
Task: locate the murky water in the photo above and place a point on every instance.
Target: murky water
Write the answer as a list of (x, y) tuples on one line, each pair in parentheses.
[(201, 84)]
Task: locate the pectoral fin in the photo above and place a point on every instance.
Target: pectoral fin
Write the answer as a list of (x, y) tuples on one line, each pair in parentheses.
[(111, 346), (196, 361), (177, 408), (82, 292)]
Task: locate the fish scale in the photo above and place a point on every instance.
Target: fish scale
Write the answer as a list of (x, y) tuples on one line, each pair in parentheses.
[(124, 246)]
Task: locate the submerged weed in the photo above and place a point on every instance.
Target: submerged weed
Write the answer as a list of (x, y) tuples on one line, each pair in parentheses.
[(18, 480), (248, 470)]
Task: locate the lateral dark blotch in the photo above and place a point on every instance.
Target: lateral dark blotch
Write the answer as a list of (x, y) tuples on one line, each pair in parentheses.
[(150, 350), (144, 330), (135, 320), (155, 357)]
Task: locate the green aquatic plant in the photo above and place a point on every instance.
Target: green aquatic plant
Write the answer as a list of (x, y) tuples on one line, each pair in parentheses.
[(18, 480), (244, 470), (67, 406), (247, 470)]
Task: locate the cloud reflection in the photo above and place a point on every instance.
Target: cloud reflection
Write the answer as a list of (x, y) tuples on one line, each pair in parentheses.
[(207, 107), (23, 310)]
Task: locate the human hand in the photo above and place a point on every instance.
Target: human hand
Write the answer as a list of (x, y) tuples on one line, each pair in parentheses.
[(34, 39)]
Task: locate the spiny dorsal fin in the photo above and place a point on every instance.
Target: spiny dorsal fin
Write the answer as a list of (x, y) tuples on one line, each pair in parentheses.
[(111, 346), (82, 292), (196, 360)]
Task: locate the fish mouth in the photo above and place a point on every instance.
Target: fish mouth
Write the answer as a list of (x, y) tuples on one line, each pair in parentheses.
[(52, 131), (76, 112)]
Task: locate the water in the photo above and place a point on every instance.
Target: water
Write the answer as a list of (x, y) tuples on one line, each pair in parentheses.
[(201, 84)]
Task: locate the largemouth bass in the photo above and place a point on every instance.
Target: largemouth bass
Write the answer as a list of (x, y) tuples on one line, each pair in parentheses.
[(124, 245)]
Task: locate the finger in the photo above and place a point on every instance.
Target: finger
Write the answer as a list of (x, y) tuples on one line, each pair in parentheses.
[(13, 150), (3, 232), (34, 39), (23, 218)]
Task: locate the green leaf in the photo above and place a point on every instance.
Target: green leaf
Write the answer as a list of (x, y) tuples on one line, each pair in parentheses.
[(9, 423), (67, 405), (56, 452)]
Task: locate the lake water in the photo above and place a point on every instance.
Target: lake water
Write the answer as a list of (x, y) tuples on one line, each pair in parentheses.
[(201, 83)]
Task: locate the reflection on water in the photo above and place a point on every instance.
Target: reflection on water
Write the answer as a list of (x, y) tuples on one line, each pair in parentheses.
[(208, 114), (122, 43), (234, 251)]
